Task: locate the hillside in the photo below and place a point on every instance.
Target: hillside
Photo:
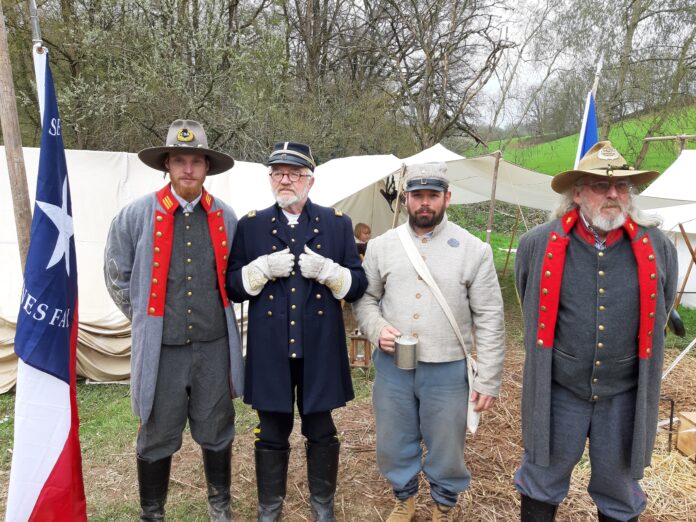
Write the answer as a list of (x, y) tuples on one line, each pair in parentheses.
[(557, 155)]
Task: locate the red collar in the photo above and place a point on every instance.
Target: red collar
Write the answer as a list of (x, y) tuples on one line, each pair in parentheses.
[(170, 203), (587, 235)]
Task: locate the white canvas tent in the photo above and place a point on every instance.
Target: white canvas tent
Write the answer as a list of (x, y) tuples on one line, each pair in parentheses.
[(679, 180)]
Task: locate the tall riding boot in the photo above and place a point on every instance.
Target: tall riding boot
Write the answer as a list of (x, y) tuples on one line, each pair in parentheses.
[(603, 518), (218, 475), (271, 480), (153, 482), (537, 511), (322, 474)]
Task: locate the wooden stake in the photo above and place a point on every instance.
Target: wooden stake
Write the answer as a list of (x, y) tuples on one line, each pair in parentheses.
[(13, 147), (512, 238), (399, 192)]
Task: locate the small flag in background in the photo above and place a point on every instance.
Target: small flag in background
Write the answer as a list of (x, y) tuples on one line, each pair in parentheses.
[(588, 130), (46, 476)]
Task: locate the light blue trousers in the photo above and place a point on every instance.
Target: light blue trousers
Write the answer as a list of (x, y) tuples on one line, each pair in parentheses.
[(426, 404), (609, 426)]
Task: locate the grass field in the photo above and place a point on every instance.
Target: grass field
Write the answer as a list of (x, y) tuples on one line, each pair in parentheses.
[(558, 155)]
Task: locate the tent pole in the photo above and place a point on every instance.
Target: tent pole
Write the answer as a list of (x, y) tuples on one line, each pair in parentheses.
[(13, 147), (691, 264), (491, 208), (512, 238), (400, 191)]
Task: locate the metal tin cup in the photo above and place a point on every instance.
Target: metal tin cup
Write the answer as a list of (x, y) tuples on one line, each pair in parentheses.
[(406, 352)]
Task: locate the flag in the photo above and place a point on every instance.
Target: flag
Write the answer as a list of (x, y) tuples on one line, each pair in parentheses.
[(588, 129), (46, 475)]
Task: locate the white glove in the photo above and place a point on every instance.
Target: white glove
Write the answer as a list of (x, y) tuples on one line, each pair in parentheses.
[(326, 272), (257, 273)]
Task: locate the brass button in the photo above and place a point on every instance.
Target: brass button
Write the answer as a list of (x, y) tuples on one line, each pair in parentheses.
[(595, 397), (601, 291), (600, 345), (652, 276), (188, 243), (224, 257), (416, 316), (320, 312), (189, 293), (651, 315), (158, 234), (293, 290), (292, 226), (649, 333), (292, 273), (187, 214), (547, 273), (293, 355), (154, 280), (292, 323), (188, 278), (648, 350), (219, 213), (600, 254), (595, 380), (601, 327), (316, 218), (418, 296), (220, 229), (316, 230), (269, 313), (652, 296), (224, 243), (292, 239), (601, 308), (651, 257), (159, 218), (645, 240), (190, 327), (154, 295), (545, 291), (274, 231), (188, 341), (152, 310), (293, 307), (598, 363), (542, 326), (188, 311), (273, 220), (549, 255), (318, 247), (318, 296), (188, 227), (274, 247), (157, 250), (292, 341), (270, 297), (540, 342), (554, 237), (156, 264), (188, 259), (601, 273), (543, 308)]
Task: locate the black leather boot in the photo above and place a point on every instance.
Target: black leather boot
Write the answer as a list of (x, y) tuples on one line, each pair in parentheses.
[(322, 473), (271, 480), (603, 518), (218, 476), (153, 482), (537, 511)]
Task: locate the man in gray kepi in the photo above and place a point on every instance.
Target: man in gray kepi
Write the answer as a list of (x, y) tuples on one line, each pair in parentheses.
[(595, 285), (165, 263), (429, 403)]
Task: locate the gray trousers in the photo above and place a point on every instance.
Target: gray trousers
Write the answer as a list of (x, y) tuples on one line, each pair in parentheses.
[(192, 384), (609, 425)]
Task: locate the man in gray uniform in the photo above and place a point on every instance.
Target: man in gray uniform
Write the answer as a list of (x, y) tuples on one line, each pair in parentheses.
[(595, 284), (165, 265), (429, 404)]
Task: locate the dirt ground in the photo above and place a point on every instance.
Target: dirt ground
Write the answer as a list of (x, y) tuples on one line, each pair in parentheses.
[(492, 455)]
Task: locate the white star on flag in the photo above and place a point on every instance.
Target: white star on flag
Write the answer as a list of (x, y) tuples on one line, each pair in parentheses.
[(64, 223)]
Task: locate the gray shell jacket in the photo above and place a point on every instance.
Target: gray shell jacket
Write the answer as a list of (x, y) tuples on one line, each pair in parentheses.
[(128, 261)]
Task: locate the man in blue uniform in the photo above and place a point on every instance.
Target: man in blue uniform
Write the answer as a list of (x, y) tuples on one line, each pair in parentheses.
[(294, 262)]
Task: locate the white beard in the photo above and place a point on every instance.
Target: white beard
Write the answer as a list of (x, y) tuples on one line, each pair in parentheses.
[(286, 201)]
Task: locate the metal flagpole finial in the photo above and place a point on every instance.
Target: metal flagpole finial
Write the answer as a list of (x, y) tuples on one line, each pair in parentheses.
[(35, 28)]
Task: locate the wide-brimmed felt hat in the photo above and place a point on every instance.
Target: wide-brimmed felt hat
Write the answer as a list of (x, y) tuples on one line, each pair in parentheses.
[(189, 137), (292, 153), (426, 176), (602, 160)]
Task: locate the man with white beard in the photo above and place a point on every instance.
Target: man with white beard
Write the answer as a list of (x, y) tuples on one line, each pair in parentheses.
[(596, 284), (294, 262)]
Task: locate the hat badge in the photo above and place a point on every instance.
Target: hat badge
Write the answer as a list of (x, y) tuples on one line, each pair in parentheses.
[(608, 153), (184, 135)]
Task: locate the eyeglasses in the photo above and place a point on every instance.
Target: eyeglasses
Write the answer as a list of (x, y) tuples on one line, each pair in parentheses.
[(602, 187), (292, 175)]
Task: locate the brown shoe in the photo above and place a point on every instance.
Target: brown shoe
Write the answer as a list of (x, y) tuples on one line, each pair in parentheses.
[(403, 511), (442, 513)]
